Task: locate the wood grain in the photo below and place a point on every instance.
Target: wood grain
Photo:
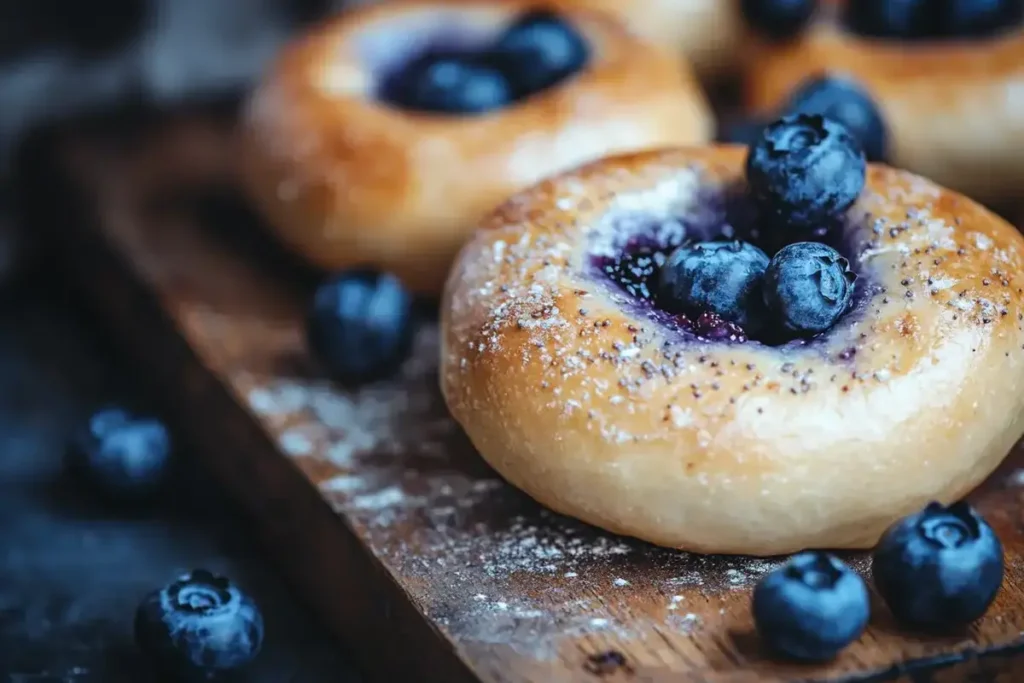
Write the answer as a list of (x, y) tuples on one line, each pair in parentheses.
[(426, 564)]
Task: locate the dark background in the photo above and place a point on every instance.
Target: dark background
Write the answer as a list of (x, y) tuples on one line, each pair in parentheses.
[(72, 568)]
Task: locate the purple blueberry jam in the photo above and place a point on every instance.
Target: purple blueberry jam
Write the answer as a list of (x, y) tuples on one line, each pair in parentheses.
[(629, 250)]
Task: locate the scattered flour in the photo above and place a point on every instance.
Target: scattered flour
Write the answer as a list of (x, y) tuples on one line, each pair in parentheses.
[(686, 623), (391, 460), (380, 500)]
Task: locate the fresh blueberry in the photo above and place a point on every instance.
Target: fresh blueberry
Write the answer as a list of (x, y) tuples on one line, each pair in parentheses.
[(539, 50), (811, 608), (360, 325), (721, 277), (804, 171), (449, 84), (903, 19), (939, 568), (778, 19), (198, 626), (845, 102), (807, 287), (125, 455), (741, 131), (975, 18)]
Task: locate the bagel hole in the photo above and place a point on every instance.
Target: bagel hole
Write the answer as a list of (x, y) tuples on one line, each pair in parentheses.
[(629, 247)]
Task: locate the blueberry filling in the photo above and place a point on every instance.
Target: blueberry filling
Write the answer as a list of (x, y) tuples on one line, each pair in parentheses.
[(904, 19), (452, 84), (940, 568), (778, 19), (932, 19), (765, 262), (538, 51), (979, 18), (636, 272)]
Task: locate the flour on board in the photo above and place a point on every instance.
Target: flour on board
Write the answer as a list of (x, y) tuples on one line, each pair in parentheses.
[(389, 457)]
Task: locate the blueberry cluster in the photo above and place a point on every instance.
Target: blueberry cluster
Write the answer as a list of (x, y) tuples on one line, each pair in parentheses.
[(835, 97), (803, 172), (536, 52), (932, 19), (938, 569), (891, 19)]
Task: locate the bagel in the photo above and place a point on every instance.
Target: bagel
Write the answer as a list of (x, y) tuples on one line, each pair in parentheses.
[(707, 33), (599, 407), (952, 106), (346, 180)]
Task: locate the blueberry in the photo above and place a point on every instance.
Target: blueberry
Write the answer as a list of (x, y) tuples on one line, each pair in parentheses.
[(124, 455), (939, 568), (973, 18), (449, 84), (905, 19), (778, 19), (539, 50), (807, 287), (721, 277), (198, 626), (804, 171), (360, 325), (741, 131), (845, 102), (811, 608)]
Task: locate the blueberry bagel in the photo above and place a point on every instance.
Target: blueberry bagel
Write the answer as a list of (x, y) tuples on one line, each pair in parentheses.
[(383, 137), (607, 358), (946, 76)]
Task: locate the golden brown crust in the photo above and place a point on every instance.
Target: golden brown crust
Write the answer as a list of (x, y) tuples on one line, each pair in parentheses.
[(708, 33), (601, 414), (348, 181), (955, 109)]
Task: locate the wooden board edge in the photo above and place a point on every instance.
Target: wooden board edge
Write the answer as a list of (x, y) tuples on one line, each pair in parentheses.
[(241, 457)]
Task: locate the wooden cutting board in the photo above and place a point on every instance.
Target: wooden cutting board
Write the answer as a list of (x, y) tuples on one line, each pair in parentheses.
[(422, 560)]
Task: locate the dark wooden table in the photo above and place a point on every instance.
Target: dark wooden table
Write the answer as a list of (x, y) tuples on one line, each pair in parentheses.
[(72, 570)]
